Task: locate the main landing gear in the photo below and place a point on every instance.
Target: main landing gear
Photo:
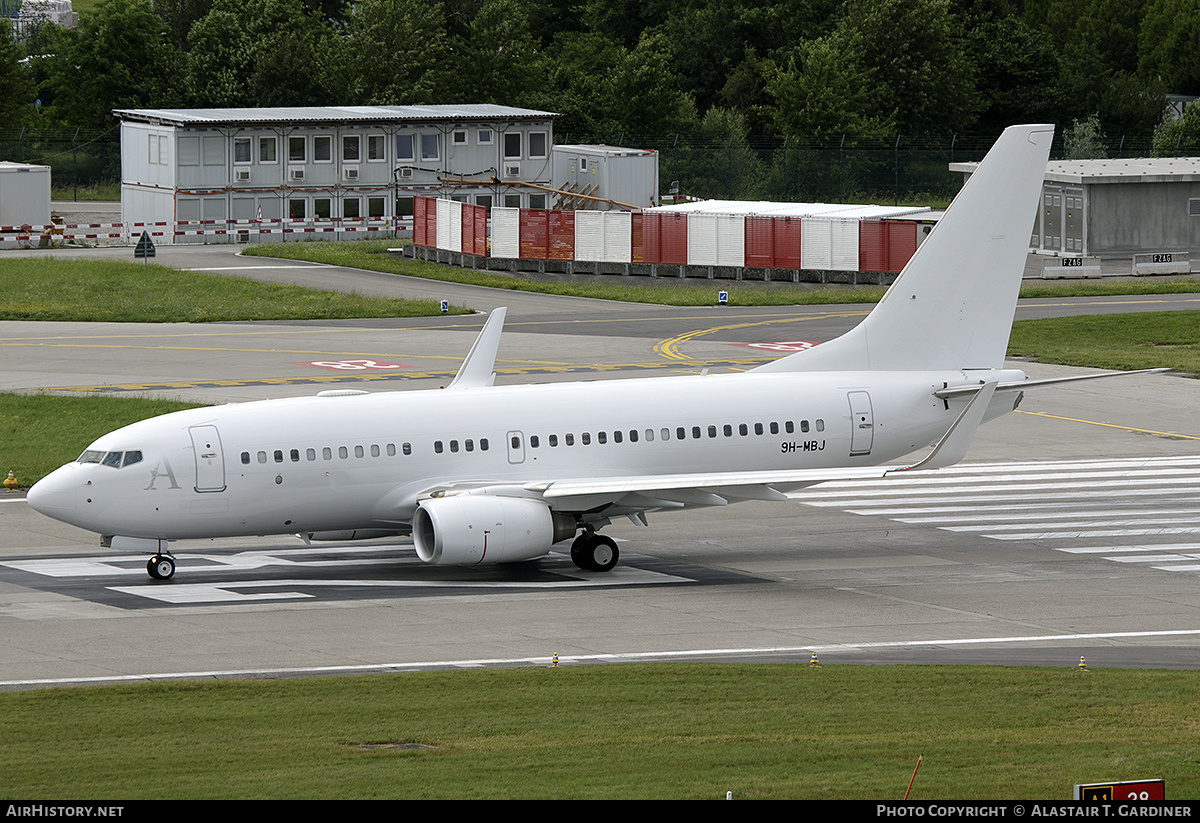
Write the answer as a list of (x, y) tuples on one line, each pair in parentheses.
[(594, 552), (161, 567)]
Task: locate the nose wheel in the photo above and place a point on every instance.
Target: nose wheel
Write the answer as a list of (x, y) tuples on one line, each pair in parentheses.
[(161, 567)]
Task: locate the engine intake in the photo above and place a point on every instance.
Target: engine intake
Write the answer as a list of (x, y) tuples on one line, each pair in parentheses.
[(484, 529)]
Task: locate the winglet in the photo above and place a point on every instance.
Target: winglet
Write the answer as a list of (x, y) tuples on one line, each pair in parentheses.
[(953, 446), (476, 370)]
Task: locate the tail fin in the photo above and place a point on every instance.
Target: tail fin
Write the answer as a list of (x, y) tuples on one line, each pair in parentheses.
[(952, 306)]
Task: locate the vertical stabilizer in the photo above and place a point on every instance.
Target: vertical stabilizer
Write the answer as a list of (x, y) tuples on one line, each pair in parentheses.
[(476, 370), (952, 306)]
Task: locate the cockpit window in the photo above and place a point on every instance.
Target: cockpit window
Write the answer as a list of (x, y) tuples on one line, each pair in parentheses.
[(91, 456), (113, 459), (132, 457)]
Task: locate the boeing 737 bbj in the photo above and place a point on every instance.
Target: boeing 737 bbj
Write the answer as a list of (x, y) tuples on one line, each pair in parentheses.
[(478, 473)]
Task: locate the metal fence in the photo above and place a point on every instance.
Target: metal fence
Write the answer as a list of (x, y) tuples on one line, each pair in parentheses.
[(835, 168), (76, 158)]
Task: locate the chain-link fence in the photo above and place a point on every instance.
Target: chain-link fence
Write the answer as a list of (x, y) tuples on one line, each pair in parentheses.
[(836, 168), (80, 163)]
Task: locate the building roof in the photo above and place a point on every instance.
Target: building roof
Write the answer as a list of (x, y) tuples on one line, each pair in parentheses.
[(763, 208), (1124, 170), (329, 114)]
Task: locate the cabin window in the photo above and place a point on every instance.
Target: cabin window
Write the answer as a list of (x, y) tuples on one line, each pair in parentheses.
[(742, 430), (586, 438), (601, 437), (650, 435), (358, 451), (515, 442), (262, 457), (310, 454), (391, 449), (666, 434), (246, 458), (343, 452), (774, 428), (407, 448), (820, 425), (570, 438), (758, 429), (727, 430), (437, 446), (789, 427), (712, 431), (278, 455), (295, 455), (374, 450), (617, 437), (454, 446), (326, 453), (803, 425), (633, 436), (469, 445), (552, 440)]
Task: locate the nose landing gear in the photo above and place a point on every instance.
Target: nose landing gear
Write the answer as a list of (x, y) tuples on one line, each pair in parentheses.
[(161, 567)]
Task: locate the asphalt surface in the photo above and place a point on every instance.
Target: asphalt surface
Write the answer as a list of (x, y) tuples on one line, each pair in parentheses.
[(1069, 530)]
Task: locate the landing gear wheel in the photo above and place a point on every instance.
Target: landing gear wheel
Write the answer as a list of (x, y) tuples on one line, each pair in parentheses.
[(579, 551), (602, 554), (160, 567)]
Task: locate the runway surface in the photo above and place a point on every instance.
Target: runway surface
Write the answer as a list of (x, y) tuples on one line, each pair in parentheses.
[(1071, 529)]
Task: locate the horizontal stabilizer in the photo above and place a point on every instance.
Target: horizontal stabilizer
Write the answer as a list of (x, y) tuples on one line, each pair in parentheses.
[(1022, 385)]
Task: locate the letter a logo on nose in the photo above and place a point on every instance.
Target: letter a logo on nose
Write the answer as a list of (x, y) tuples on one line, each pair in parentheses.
[(162, 469)]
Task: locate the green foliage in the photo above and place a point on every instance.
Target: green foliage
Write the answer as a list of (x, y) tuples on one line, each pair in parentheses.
[(1084, 140), (1179, 137)]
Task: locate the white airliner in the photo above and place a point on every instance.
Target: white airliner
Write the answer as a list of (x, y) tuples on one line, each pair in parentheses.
[(490, 474)]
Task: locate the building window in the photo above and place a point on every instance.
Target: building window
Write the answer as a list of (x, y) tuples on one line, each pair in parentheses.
[(430, 148), (266, 150), (376, 149), (241, 149), (322, 149), (484, 137), (296, 208), (459, 138), (537, 201), (376, 206), (512, 201), (350, 148), (352, 208), (297, 150), (512, 146), (321, 208), (404, 147), (537, 144), (484, 200)]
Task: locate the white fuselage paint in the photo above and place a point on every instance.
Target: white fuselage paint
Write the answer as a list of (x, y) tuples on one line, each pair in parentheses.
[(192, 481)]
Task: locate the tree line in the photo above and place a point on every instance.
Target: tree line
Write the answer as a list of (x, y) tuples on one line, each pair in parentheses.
[(642, 72)]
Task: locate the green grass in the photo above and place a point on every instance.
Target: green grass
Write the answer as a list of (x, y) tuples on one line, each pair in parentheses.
[(1113, 341), (45, 288), (672, 291), (39, 433), (65, 191), (629, 731)]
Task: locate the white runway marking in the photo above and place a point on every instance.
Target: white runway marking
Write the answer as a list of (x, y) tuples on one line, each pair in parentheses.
[(567, 659), (1052, 502)]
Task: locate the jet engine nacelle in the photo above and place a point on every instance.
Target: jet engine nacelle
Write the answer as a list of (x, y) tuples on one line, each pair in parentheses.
[(467, 529)]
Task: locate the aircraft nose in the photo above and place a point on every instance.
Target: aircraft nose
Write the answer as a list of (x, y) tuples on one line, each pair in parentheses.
[(55, 495)]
